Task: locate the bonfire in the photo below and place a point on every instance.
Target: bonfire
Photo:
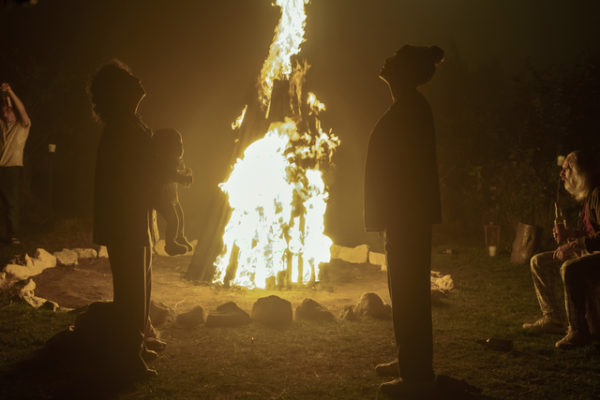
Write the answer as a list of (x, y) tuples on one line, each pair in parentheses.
[(276, 190)]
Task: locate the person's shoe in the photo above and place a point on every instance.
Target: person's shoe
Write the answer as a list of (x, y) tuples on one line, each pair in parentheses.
[(399, 389), (174, 248), (544, 325), (388, 369), (574, 339), (182, 240)]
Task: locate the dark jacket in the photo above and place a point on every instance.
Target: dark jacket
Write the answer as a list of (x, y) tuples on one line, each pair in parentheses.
[(592, 204), (122, 183), (401, 177)]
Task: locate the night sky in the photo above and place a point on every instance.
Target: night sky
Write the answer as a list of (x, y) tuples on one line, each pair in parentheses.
[(199, 61)]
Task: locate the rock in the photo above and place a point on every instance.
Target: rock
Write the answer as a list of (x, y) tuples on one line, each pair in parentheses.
[(34, 301), (43, 260), (5, 281), (272, 311), (22, 260), (102, 252), (357, 255), (371, 305), (66, 257), (160, 313), (33, 266), (442, 283), (378, 259), (25, 288), (310, 310), (192, 318), (227, 315), (19, 272), (86, 253), (348, 314)]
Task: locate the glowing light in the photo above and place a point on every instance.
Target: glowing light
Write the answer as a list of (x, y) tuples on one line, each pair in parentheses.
[(289, 35), (276, 189)]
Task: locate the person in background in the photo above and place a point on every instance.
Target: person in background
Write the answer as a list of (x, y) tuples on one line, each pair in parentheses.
[(402, 200), (169, 172), (14, 129), (122, 210), (576, 260)]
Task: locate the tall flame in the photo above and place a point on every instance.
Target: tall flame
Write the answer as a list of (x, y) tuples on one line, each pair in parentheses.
[(289, 35), (276, 189)]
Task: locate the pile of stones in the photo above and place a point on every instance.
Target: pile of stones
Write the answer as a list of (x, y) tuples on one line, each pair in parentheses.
[(16, 276)]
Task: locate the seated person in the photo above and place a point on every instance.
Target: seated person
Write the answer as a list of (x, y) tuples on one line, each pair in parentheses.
[(577, 258), (170, 171)]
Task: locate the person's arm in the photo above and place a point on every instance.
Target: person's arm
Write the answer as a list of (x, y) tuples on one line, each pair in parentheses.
[(22, 115), (581, 242)]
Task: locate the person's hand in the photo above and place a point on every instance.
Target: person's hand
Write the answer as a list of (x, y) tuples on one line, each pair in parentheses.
[(567, 250), (555, 233)]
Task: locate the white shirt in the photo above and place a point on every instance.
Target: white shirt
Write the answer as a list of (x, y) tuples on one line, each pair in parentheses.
[(12, 144)]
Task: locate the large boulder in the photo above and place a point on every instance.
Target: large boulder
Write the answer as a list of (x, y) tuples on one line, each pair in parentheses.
[(160, 313), (370, 304), (227, 315), (192, 318), (272, 311), (66, 257), (310, 310)]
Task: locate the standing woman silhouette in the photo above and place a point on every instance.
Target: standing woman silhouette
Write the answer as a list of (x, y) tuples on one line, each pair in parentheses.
[(122, 208)]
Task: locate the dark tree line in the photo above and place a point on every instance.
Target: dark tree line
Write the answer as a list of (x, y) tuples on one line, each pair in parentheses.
[(499, 136)]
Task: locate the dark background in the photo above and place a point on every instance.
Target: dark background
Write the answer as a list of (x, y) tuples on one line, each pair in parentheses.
[(519, 86)]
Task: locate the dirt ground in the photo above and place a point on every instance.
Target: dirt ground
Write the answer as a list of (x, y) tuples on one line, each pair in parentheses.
[(90, 281)]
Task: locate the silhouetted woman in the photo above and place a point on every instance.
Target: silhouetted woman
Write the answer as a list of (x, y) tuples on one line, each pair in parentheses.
[(122, 208), (402, 199)]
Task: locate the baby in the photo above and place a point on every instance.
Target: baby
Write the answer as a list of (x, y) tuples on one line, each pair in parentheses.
[(170, 171)]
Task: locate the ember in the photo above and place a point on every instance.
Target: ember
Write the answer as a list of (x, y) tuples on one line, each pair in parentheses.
[(276, 189)]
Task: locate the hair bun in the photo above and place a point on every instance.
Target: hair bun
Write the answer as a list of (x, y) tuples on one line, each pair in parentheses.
[(437, 54)]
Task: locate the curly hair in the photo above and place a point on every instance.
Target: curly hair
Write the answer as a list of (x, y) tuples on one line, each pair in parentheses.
[(112, 88), (587, 164)]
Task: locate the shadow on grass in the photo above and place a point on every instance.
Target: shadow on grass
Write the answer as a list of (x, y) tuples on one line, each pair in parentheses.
[(43, 377), (445, 388)]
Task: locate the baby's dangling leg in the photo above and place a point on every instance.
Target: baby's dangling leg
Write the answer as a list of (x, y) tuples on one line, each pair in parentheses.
[(180, 237)]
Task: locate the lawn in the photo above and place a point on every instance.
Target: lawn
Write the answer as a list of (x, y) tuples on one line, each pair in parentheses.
[(492, 298)]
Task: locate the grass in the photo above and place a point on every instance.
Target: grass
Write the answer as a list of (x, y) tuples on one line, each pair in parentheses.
[(335, 360)]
